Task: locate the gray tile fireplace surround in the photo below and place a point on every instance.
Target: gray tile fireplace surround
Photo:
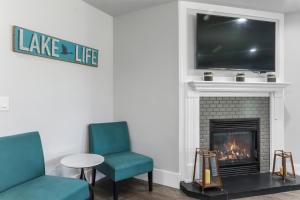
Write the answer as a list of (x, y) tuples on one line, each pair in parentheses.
[(234, 108)]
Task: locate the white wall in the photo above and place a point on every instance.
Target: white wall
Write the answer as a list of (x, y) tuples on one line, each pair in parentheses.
[(292, 72), (146, 82), (56, 98)]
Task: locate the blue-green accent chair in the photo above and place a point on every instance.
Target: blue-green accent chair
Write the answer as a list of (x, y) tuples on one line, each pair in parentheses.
[(22, 173), (111, 140)]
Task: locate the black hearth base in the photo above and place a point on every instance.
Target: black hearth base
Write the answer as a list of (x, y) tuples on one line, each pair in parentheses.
[(242, 186)]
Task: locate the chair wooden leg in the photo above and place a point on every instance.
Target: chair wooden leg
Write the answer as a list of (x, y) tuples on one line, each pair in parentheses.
[(91, 193), (115, 190), (150, 181), (93, 176)]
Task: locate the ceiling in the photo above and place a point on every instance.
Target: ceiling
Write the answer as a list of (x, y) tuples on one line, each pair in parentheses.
[(120, 7)]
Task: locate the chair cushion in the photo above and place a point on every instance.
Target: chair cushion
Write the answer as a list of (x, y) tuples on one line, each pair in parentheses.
[(125, 165), (48, 188), (108, 138), (21, 159)]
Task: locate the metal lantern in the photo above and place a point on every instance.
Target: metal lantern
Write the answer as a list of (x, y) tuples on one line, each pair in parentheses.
[(283, 165), (206, 169)]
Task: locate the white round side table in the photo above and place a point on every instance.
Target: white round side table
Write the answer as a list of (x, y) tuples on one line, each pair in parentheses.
[(83, 161)]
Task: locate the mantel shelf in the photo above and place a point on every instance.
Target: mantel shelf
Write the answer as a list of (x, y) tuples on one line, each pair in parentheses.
[(215, 86)]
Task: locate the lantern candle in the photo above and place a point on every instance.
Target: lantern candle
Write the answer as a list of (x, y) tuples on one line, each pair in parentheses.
[(281, 172), (206, 169), (286, 160), (207, 177)]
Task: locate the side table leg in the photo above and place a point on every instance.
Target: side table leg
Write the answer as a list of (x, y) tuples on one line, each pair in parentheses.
[(82, 174), (94, 176), (83, 177)]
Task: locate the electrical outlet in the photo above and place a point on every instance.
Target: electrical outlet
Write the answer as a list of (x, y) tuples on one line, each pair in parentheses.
[(4, 103)]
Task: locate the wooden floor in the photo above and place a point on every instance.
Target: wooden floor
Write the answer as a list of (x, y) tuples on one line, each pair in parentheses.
[(138, 190)]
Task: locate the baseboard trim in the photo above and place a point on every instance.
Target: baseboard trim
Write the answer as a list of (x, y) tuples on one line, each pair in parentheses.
[(163, 177), (160, 176)]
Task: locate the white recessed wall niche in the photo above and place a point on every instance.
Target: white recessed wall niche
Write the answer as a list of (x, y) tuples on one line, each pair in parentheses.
[(191, 86)]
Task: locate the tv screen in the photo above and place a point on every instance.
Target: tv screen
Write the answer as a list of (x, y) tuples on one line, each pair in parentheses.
[(235, 43)]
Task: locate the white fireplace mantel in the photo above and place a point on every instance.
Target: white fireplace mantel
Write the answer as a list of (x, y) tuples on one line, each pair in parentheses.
[(191, 117), (239, 87)]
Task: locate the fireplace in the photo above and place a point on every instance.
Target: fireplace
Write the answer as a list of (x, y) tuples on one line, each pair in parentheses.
[(236, 142)]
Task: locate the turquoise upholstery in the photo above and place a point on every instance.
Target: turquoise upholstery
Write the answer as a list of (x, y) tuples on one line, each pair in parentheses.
[(48, 188), (120, 166), (21, 159), (108, 138), (22, 173), (111, 140)]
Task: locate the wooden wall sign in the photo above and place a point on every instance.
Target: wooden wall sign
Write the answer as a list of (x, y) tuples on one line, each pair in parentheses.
[(39, 44)]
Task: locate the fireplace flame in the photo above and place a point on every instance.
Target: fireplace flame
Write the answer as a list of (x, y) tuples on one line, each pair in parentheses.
[(233, 150)]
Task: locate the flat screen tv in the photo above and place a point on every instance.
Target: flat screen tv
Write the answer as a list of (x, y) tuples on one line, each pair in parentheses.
[(235, 43)]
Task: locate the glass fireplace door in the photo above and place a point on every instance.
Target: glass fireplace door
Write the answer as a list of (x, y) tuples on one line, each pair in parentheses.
[(238, 147)]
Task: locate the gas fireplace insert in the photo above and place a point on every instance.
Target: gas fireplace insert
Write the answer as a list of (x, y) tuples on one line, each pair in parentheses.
[(236, 142)]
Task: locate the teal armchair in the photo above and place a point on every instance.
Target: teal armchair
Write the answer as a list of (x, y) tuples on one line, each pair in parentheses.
[(22, 173), (111, 140)]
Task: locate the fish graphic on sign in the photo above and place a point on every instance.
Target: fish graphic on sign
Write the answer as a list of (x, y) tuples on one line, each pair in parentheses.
[(64, 50)]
